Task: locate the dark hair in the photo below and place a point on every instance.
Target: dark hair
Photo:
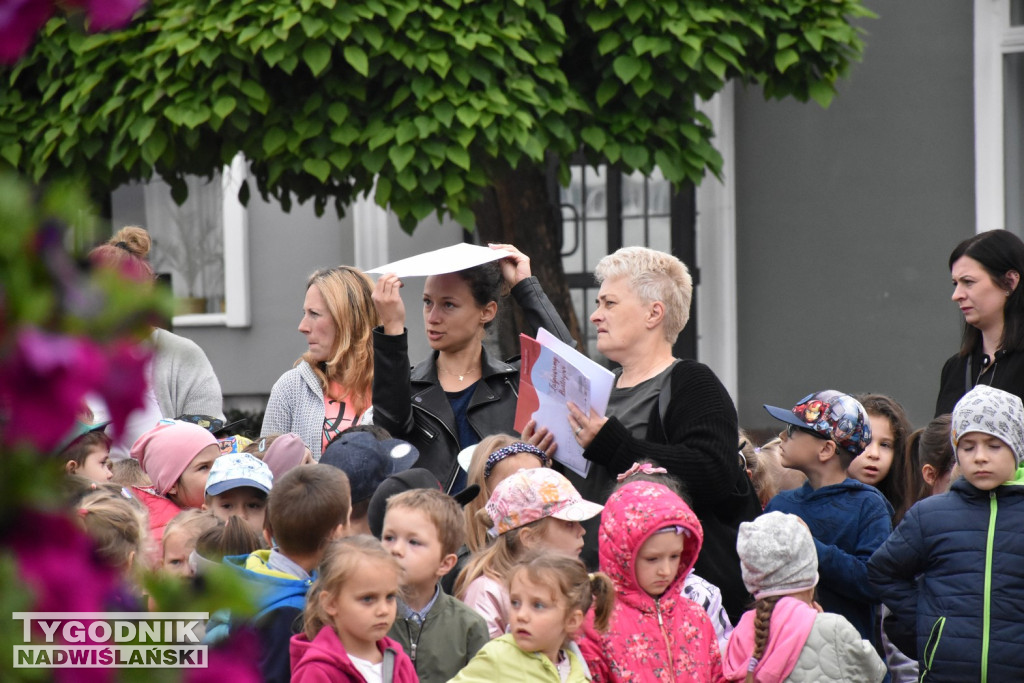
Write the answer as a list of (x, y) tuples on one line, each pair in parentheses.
[(376, 431), (999, 252), (894, 485), (928, 446), (79, 449), (484, 282), (305, 507)]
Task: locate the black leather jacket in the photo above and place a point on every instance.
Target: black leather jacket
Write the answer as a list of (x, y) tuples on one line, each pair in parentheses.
[(411, 404)]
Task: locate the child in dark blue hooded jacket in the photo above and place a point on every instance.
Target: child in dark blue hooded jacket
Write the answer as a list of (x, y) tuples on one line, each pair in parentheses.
[(954, 567)]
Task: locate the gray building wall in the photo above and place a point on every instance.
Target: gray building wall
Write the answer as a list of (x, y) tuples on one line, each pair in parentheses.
[(846, 218)]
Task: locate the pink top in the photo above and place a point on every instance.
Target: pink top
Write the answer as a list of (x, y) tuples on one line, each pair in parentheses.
[(791, 623), (490, 600)]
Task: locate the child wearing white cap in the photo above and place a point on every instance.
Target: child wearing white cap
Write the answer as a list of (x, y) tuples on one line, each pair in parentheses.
[(239, 484), (786, 637), (953, 570)]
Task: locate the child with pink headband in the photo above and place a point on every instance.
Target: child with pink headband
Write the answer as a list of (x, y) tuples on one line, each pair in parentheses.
[(177, 457)]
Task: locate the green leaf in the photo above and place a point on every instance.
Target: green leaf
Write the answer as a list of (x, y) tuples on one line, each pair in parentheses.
[(406, 131), (594, 136), (317, 56), (11, 152), (635, 155), (467, 115), (400, 156), (814, 39), (627, 67), (357, 59), (786, 59), (317, 168), (337, 112), (822, 92), (458, 156), (606, 91), (274, 140), (784, 40), (224, 106), (341, 158)]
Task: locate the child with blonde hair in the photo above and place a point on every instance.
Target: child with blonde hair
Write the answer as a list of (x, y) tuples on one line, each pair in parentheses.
[(349, 609), (786, 637), (550, 596), (180, 538), (118, 527), (530, 510)]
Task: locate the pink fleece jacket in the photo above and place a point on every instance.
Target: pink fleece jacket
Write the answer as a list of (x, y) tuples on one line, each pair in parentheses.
[(790, 624), (650, 640), (324, 660)]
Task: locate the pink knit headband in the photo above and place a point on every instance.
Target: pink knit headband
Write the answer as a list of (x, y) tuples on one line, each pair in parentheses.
[(166, 450)]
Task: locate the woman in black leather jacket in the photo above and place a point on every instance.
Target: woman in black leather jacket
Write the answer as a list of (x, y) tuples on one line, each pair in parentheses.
[(460, 393)]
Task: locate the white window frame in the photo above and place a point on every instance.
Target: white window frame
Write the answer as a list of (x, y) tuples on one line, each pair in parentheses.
[(237, 310), (993, 39)]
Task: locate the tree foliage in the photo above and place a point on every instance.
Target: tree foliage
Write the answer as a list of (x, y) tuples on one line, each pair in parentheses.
[(425, 96)]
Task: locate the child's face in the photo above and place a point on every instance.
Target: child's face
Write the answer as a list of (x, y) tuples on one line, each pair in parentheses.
[(96, 466), (247, 502), (178, 545), (985, 461), (556, 534), (190, 489), (799, 450), (873, 465), (364, 608), (657, 562), (411, 537), (538, 618)]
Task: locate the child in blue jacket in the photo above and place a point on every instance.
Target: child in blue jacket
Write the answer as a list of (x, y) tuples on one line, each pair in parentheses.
[(954, 567)]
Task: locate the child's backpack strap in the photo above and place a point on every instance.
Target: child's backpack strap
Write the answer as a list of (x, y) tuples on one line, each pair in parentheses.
[(387, 669), (664, 397)]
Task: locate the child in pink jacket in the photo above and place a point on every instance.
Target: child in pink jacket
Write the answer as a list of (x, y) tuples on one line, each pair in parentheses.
[(648, 541)]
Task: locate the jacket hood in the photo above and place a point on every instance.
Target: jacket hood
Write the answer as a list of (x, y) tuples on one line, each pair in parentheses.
[(273, 589), (633, 514), (791, 624), (324, 651)]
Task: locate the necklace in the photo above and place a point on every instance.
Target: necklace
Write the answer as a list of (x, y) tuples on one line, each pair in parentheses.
[(455, 374)]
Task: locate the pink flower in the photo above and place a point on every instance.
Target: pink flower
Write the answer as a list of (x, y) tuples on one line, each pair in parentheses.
[(234, 660), (108, 14), (20, 20), (43, 383), (124, 386), (55, 558)]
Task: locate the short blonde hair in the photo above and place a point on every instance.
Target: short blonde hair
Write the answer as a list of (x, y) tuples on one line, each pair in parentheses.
[(476, 533), (653, 276), (118, 526)]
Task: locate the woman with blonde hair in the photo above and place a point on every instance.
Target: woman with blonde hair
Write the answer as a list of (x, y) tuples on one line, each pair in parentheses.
[(330, 386), (673, 413)]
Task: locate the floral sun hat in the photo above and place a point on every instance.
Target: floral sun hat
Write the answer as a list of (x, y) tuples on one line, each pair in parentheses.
[(530, 495)]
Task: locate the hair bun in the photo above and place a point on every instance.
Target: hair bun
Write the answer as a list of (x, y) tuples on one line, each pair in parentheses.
[(133, 239)]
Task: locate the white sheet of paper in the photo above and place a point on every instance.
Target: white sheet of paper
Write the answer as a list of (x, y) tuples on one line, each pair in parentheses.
[(601, 378), (447, 260)]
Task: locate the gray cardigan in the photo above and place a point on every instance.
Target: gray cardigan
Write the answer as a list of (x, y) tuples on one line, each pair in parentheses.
[(297, 405)]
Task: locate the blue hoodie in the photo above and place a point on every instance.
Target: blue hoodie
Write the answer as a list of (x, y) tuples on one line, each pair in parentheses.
[(848, 521), (280, 600)]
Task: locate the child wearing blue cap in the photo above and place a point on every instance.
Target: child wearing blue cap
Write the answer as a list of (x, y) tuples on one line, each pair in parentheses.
[(848, 520), (239, 484)]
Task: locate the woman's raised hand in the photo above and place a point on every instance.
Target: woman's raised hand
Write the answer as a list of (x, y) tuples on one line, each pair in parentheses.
[(389, 305), (515, 267)]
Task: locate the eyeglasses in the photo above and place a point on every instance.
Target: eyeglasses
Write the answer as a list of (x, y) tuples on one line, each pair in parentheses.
[(793, 429)]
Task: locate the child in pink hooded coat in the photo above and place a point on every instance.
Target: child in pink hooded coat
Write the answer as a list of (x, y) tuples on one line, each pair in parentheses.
[(648, 542)]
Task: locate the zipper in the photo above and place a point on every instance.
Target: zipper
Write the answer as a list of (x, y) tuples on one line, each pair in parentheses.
[(455, 470), (670, 665), (987, 598)]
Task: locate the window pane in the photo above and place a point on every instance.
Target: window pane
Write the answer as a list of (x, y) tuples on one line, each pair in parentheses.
[(1013, 117), (188, 242), (1016, 12)]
